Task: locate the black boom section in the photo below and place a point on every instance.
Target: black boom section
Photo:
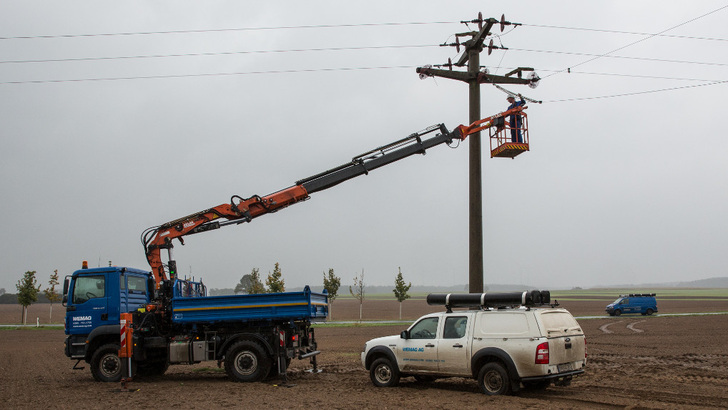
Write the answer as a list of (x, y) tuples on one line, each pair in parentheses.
[(384, 155)]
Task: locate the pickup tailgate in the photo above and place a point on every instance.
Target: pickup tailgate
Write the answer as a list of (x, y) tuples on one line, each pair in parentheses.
[(567, 344)]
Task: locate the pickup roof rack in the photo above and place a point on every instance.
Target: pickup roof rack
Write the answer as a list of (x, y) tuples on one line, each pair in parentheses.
[(490, 300)]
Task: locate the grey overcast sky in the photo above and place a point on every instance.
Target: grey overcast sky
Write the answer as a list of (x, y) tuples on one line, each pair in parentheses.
[(118, 116)]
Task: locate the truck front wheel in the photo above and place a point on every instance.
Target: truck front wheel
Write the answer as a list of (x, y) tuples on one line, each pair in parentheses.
[(106, 364), (384, 373), (246, 361), (493, 379)]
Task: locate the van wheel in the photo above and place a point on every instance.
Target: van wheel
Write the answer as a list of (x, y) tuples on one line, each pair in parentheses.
[(650, 312), (493, 379), (106, 364), (246, 361), (617, 312), (384, 373)]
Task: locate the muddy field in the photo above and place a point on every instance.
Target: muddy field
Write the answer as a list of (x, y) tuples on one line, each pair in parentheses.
[(634, 362)]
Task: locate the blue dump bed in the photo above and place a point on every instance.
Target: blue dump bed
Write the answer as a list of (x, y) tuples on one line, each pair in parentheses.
[(305, 305)]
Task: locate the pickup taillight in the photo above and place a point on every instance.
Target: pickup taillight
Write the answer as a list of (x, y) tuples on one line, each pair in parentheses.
[(542, 353)]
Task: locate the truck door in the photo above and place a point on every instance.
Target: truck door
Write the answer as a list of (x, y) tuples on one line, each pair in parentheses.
[(88, 304), (453, 349), (134, 294), (419, 352)]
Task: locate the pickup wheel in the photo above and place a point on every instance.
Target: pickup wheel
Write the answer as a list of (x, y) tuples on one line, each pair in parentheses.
[(384, 373), (106, 364), (493, 379), (246, 361)]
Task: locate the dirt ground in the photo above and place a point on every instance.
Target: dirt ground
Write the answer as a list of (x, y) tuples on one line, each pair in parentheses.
[(634, 362)]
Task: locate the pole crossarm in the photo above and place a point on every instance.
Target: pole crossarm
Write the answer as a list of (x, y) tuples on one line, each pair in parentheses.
[(480, 77), (476, 41)]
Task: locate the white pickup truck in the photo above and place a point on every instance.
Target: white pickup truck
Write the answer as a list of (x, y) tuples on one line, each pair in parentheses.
[(501, 345)]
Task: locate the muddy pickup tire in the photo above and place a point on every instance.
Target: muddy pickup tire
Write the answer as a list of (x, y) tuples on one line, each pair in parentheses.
[(493, 379), (384, 373)]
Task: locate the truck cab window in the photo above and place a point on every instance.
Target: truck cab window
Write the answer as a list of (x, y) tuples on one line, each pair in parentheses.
[(88, 287), (138, 284), (424, 329)]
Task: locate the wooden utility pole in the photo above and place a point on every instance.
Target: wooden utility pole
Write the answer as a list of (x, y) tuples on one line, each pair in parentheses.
[(474, 77)]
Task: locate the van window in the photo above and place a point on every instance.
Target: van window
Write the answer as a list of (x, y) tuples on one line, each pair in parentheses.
[(88, 287)]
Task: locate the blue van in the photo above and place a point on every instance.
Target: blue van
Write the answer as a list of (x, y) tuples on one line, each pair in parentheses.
[(643, 303)]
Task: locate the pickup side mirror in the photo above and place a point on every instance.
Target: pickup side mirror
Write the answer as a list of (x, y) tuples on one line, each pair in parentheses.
[(405, 334)]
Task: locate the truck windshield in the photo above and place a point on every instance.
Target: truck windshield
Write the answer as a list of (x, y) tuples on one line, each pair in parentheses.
[(88, 287)]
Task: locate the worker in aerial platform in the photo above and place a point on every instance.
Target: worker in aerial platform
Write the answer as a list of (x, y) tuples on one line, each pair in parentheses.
[(515, 119)]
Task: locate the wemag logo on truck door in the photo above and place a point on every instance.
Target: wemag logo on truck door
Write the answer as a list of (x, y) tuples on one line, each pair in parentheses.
[(80, 321)]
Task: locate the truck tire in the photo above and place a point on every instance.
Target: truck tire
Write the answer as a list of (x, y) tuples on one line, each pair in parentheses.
[(106, 364), (384, 373), (493, 379), (650, 312), (246, 361), (617, 312)]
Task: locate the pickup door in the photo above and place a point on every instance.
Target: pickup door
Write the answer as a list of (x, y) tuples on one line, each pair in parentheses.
[(419, 352), (453, 350)]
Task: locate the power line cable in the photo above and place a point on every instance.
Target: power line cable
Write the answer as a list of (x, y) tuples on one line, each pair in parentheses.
[(638, 33), (659, 60), (222, 53), (640, 40), (161, 76), (637, 92), (312, 70), (146, 33)]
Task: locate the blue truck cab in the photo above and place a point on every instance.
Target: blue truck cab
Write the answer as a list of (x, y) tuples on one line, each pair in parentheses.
[(94, 300), (642, 303)]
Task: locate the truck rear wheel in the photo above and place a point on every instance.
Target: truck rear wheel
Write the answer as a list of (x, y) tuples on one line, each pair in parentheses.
[(493, 379), (384, 373), (106, 364), (246, 361), (650, 312)]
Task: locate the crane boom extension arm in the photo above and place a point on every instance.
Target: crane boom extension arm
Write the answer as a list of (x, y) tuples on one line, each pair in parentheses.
[(241, 210)]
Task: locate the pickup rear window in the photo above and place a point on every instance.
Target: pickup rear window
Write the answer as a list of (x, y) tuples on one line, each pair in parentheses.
[(559, 322)]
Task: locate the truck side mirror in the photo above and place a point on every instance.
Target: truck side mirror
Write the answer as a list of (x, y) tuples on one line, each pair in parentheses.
[(405, 334), (65, 292)]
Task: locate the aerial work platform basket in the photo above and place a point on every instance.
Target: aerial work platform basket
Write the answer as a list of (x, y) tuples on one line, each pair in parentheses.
[(508, 132), (505, 141)]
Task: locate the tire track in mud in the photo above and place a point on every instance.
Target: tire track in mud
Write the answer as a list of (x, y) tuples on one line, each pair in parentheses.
[(605, 327)]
